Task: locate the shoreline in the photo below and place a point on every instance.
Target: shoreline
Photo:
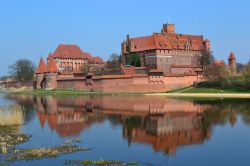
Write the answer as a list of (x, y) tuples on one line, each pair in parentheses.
[(163, 94), (204, 95)]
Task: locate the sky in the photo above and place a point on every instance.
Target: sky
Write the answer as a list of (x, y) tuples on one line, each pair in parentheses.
[(33, 28)]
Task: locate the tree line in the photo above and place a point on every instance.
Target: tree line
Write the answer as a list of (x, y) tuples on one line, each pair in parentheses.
[(219, 76), (24, 70)]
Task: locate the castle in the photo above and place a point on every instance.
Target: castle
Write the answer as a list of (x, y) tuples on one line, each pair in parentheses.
[(72, 58), (66, 60), (167, 51), (168, 61)]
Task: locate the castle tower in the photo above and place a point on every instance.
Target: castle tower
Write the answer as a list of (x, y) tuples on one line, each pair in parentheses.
[(41, 69), (51, 75), (207, 44), (232, 63), (168, 28), (49, 57)]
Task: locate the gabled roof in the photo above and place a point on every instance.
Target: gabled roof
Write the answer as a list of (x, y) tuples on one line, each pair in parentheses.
[(41, 67), (52, 68), (142, 43), (68, 51), (97, 60), (232, 56), (167, 41), (219, 63)]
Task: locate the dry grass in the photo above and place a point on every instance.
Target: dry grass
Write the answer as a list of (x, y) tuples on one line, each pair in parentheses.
[(11, 115), (39, 153)]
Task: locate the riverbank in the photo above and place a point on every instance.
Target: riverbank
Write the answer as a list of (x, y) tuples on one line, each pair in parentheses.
[(65, 92), (199, 92), (195, 89), (184, 92), (203, 95)]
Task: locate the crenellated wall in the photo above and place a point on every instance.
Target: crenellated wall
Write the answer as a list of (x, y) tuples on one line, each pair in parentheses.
[(123, 83)]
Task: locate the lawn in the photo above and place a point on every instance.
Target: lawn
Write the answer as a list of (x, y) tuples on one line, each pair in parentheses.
[(69, 92), (210, 90)]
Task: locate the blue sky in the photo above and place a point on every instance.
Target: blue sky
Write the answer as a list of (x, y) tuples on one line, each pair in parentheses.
[(33, 28)]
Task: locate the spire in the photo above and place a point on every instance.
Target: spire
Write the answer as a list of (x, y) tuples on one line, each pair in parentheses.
[(52, 68), (49, 56), (41, 67), (231, 56)]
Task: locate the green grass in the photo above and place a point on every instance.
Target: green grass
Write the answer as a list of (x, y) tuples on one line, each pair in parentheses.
[(210, 90), (68, 92), (178, 90)]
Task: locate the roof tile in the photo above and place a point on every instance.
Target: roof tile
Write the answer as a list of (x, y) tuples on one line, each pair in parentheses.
[(41, 67), (52, 68), (232, 56), (167, 41)]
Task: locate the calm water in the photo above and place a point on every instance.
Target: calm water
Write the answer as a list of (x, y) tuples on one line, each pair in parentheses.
[(151, 130)]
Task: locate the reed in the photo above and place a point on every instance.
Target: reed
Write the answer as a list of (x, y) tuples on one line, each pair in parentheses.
[(11, 115)]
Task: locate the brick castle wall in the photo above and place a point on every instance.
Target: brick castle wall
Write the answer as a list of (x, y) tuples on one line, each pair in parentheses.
[(128, 84)]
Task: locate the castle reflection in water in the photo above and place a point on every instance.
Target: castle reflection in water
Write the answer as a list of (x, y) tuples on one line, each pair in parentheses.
[(163, 123)]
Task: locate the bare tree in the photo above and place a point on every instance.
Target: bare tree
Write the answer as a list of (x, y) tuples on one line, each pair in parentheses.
[(85, 68), (22, 70), (216, 72), (113, 64), (207, 58), (246, 72)]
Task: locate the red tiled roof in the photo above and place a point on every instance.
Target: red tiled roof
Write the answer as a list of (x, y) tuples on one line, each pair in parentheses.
[(68, 51), (73, 52), (49, 56), (220, 63), (167, 41), (52, 68), (142, 43), (41, 67), (232, 56), (97, 60), (88, 56)]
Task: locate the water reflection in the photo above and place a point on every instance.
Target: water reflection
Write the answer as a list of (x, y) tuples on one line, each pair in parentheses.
[(163, 123)]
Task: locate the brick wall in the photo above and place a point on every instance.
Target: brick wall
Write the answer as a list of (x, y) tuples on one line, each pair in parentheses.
[(129, 84), (19, 84), (180, 81)]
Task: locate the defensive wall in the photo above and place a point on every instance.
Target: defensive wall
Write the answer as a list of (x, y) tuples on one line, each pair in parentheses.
[(138, 83)]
